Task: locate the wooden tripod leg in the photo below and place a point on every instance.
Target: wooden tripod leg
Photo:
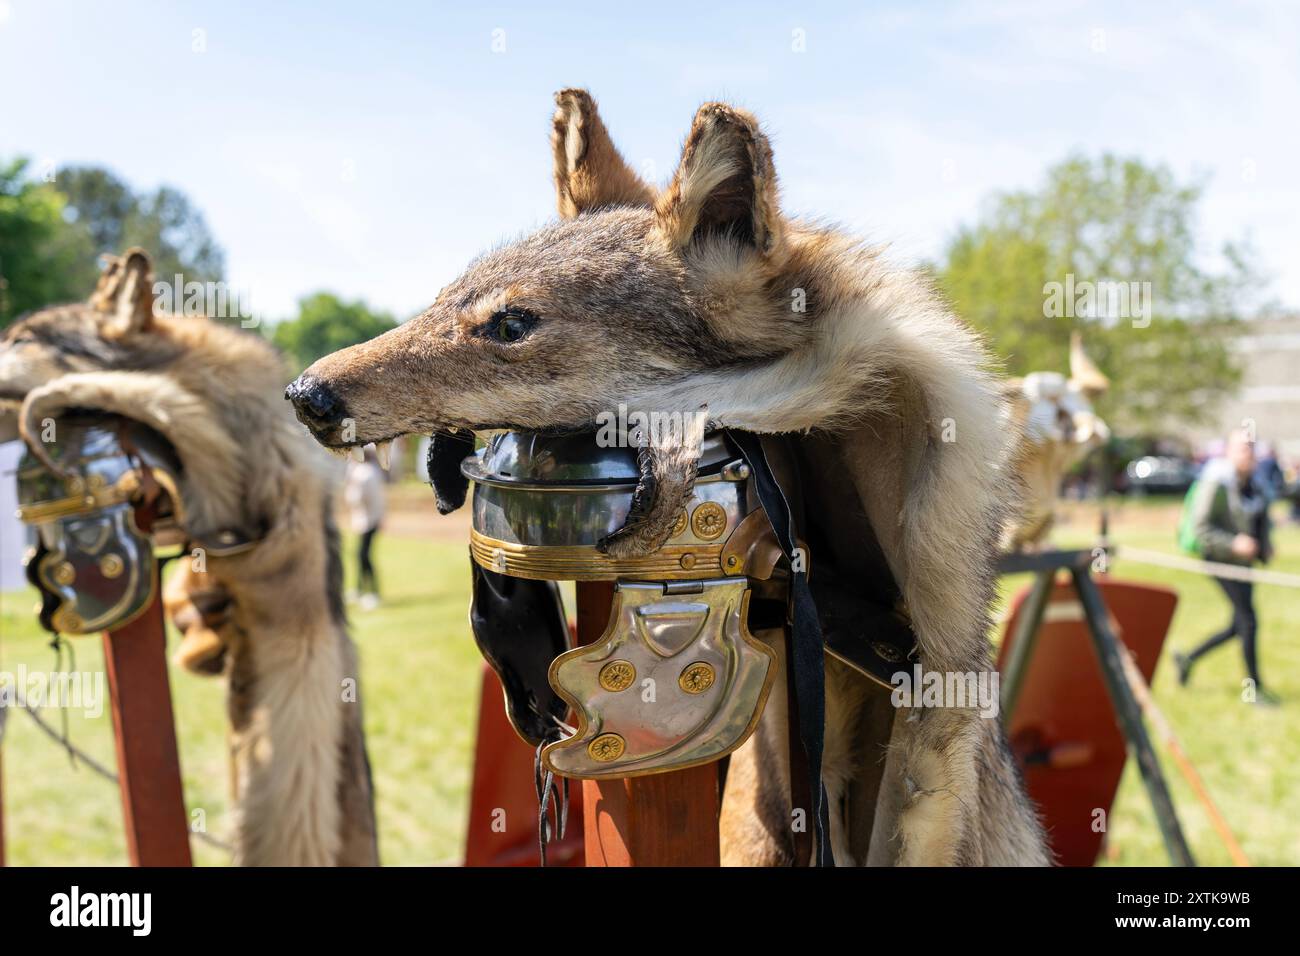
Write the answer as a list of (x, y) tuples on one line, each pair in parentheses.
[(148, 765), (665, 819), (1025, 640), (1129, 715)]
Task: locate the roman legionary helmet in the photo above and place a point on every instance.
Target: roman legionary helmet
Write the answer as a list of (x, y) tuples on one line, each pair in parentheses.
[(677, 679), (111, 496)]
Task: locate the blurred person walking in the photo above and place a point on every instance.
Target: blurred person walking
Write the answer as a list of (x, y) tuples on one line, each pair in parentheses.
[(1269, 476), (364, 495), (1226, 520)]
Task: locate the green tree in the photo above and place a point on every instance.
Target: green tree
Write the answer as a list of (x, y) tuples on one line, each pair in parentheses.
[(325, 324), (1105, 221), (39, 252), (163, 222), (52, 232)]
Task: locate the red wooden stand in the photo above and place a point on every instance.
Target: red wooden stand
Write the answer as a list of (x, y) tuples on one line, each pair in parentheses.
[(148, 765), (666, 819), (1068, 730), (502, 828)]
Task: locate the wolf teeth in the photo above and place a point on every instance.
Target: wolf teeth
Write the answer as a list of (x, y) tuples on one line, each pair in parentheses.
[(384, 450), (358, 455)]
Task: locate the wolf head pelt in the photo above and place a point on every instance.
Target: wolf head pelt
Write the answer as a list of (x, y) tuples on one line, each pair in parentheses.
[(1058, 429), (704, 296), (270, 618)]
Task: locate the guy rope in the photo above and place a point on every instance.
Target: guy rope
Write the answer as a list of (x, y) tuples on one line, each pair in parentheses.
[(1153, 713), (1212, 568), (80, 756)]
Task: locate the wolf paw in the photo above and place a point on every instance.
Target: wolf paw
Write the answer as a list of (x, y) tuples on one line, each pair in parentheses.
[(636, 540), (668, 469)]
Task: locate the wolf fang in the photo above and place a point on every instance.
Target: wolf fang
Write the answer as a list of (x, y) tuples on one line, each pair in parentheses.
[(103, 909)]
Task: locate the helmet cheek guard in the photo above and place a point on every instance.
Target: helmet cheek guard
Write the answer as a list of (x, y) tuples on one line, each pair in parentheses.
[(94, 571), (676, 680)]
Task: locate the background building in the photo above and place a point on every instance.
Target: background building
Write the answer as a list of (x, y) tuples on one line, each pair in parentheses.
[(1269, 351)]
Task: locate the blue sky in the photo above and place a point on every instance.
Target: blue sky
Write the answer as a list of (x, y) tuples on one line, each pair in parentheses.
[(373, 148)]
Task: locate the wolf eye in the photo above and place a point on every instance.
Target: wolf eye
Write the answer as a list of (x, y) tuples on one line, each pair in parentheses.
[(511, 329), (510, 325)]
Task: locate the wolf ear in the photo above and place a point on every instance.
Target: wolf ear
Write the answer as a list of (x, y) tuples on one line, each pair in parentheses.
[(124, 294), (589, 172), (1083, 372), (725, 182)]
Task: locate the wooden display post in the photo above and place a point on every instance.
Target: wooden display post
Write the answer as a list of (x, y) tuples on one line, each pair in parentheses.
[(663, 819), (148, 764)]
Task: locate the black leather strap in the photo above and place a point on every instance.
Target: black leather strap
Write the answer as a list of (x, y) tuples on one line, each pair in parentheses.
[(806, 652)]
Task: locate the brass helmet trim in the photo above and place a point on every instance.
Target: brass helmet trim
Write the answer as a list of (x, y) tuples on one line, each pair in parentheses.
[(541, 504)]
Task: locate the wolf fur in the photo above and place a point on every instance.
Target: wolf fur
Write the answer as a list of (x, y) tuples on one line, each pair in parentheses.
[(271, 617), (704, 295)]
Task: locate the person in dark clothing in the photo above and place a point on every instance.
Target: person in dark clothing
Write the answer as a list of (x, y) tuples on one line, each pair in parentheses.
[(1229, 515), (366, 582), (364, 494), (1243, 625)]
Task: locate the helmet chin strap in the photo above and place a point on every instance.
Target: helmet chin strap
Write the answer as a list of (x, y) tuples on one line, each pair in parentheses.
[(806, 648), (223, 542), (520, 627)]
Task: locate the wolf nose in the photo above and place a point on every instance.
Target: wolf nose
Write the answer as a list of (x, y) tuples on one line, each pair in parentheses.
[(314, 399)]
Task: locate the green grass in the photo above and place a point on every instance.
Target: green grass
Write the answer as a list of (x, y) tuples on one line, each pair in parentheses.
[(1247, 756), (420, 680)]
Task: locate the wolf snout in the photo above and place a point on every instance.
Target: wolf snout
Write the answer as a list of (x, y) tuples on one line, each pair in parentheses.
[(315, 402)]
